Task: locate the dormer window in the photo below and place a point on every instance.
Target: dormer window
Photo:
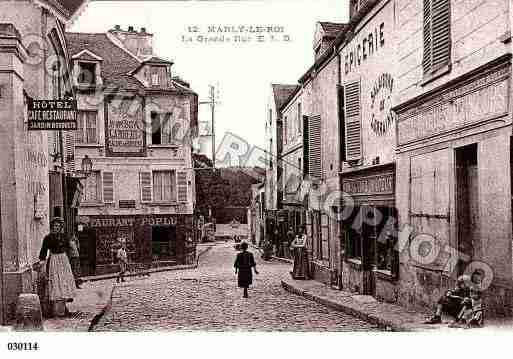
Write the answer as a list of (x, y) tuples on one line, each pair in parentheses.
[(86, 68), (158, 75), (87, 73)]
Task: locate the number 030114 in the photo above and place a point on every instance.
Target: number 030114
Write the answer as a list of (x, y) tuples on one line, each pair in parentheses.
[(23, 346)]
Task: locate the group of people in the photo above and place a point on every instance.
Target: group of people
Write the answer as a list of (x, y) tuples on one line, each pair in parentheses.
[(462, 303), (59, 263)]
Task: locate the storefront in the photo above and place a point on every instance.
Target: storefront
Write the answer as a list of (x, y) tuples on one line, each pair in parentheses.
[(367, 216), (161, 240), (454, 187)]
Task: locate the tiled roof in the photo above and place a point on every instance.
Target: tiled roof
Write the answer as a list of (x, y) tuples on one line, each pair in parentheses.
[(332, 28), (116, 61), (282, 93), (71, 5), (158, 60)]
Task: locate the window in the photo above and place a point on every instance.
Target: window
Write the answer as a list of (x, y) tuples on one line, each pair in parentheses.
[(87, 73), (299, 119), (86, 127), (163, 186), (158, 75), (353, 235), (437, 36), (93, 189), (312, 147), (162, 129), (285, 134)]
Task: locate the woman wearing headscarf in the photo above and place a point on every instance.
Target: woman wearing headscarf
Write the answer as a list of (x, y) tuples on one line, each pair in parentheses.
[(61, 282)]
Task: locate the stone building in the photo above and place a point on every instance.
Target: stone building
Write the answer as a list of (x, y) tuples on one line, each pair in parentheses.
[(33, 65), (136, 122), (454, 148)]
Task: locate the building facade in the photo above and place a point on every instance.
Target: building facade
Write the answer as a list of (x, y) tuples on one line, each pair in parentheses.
[(135, 123), (34, 64), (454, 148)]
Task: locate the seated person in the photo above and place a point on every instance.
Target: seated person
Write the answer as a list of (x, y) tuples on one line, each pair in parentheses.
[(452, 302), (471, 315)]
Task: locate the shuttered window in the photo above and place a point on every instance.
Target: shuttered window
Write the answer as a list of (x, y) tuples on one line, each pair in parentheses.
[(306, 167), (146, 191), (181, 185), (314, 147), (437, 35), (341, 122), (353, 123), (164, 186), (108, 187)]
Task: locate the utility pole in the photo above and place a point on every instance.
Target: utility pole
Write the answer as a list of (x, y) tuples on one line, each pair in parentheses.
[(212, 101)]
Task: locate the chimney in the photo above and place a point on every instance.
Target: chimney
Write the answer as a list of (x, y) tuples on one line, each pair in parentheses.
[(139, 44)]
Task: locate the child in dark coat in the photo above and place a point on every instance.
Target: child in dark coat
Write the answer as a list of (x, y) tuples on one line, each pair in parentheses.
[(243, 265)]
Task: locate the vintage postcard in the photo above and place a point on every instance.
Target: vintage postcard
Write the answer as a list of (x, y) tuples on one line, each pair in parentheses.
[(255, 166)]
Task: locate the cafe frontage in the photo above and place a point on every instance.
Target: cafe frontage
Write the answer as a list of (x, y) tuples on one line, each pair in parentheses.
[(153, 240), (368, 216)]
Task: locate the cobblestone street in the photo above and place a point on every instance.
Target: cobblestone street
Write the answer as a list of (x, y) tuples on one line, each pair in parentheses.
[(207, 298)]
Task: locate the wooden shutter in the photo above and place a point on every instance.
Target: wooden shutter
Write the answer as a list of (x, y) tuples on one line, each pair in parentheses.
[(341, 123), (145, 181), (181, 185), (353, 125), (108, 187), (441, 37), (69, 150), (306, 168), (315, 149), (437, 36)]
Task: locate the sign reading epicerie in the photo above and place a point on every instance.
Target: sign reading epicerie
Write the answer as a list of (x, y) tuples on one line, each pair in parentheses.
[(366, 44), (52, 115), (124, 130)]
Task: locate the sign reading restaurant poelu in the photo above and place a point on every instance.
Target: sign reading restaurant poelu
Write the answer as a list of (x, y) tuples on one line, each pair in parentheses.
[(482, 99), (52, 115)]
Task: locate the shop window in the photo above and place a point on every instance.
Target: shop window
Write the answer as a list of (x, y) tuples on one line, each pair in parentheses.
[(437, 36), (163, 242), (163, 186), (353, 235), (87, 123), (87, 73), (92, 192), (162, 130), (386, 256)]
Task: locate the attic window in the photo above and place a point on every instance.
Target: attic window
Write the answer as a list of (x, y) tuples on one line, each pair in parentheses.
[(158, 75), (87, 73)]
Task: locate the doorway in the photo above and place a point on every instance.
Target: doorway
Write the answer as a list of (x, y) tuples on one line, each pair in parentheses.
[(467, 204)]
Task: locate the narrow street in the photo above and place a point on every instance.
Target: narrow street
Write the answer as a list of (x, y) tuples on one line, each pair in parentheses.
[(207, 298)]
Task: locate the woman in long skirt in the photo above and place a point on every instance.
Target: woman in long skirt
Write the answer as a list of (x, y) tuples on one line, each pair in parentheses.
[(243, 265), (300, 270), (61, 282)]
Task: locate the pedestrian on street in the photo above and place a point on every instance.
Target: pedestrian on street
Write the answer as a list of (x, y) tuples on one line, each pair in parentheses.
[(122, 261), (289, 239), (243, 265), (61, 282), (74, 258), (298, 246)]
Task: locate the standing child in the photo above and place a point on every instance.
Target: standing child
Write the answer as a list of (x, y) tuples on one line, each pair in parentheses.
[(243, 265), (122, 260)]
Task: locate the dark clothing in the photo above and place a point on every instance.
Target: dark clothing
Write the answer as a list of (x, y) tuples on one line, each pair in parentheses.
[(56, 243), (244, 263), (300, 270), (451, 305)]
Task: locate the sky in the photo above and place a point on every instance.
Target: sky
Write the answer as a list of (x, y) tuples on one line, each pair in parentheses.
[(242, 72)]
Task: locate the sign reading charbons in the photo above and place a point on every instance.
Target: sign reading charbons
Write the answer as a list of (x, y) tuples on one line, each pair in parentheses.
[(52, 115)]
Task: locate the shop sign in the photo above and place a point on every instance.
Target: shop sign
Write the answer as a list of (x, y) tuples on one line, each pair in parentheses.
[(367, 44), (52, 115), (379, 184), (119, 221), (382, 116), (474, 102)]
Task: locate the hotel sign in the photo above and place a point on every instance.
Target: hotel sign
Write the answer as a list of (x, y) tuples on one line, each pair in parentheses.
[(480, 100), (52, 115)]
